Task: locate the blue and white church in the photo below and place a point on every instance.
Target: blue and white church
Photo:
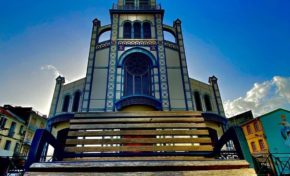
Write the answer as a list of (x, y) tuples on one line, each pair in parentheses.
[(137, 70)]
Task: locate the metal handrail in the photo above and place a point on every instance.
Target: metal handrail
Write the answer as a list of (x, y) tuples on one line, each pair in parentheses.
[(273, 163)]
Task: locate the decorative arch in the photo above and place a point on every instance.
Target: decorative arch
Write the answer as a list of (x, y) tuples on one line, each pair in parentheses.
[(137, 50), (104, 29), (169, 29)]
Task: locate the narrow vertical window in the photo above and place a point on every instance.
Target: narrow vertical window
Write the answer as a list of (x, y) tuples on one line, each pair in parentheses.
[(12, 129), (207, 103), (129, 3), (21, 130), (147, 30), (253, 145), (7, 145), (2, 122), (127, 30), (249, 130), (143, 3), (137, 30), (65, 103), (262, 145), (17, 148), (76, 101), (256, 126), (197, 101)]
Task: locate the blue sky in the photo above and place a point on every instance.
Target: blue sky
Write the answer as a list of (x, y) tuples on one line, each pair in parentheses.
[(242, 42)]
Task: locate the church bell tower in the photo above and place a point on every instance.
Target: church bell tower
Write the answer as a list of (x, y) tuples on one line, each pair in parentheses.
[(136, 68)]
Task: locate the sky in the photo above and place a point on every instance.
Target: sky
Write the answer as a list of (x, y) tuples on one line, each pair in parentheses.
[(244, 43)]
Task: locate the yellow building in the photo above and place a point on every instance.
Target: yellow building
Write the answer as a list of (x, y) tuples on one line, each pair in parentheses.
[(18, 127), (12, 130), (255, 136)]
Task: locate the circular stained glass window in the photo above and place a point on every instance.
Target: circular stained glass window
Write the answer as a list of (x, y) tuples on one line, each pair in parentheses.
[(137, 66)]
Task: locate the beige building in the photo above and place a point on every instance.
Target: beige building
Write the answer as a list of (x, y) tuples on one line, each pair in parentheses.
[(137, 69), (12, 131), (18, 127)]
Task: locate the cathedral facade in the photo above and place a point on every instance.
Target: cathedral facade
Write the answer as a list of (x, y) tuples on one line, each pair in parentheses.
[(137, 70)]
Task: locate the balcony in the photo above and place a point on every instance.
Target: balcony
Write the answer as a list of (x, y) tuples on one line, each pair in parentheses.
[(136, 8)]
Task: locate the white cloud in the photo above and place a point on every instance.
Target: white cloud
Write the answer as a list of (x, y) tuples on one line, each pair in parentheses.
[(262, 98), (52, 68)]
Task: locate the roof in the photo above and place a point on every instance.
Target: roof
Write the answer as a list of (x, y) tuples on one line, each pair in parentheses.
[(3, 111), (242, 118), (215, 118), (11, 115), (279, 109), (22, 112), (259, 117)]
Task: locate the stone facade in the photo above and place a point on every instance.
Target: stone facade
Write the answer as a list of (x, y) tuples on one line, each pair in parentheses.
[(103, 87)]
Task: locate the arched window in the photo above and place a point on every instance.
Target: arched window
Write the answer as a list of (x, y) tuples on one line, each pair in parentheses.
[(137, 75), (147, 30), (76, 102), (137, 30), (207, 103), (197, 101), (65, 103), (127, 30)]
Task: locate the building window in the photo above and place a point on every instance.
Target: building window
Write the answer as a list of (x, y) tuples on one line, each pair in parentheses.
[(21, 130), (262, 145), (12, 129), (76, 102), (197, 101), (127, 31), (249, 130), (147, 30), (2, 122), (17, 148), (66, 103), (7, 145), (137, 30), (129, 3), (207, 103), (137, 75), (143, 3), (41, 125), (256, 126), (253, 145)]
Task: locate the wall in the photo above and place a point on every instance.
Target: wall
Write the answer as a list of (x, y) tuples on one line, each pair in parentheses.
[(276, 125), (203, 89), (254, 135), (99, 84), (273, 127), (176, 88), (69, 89), (16, 138)]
